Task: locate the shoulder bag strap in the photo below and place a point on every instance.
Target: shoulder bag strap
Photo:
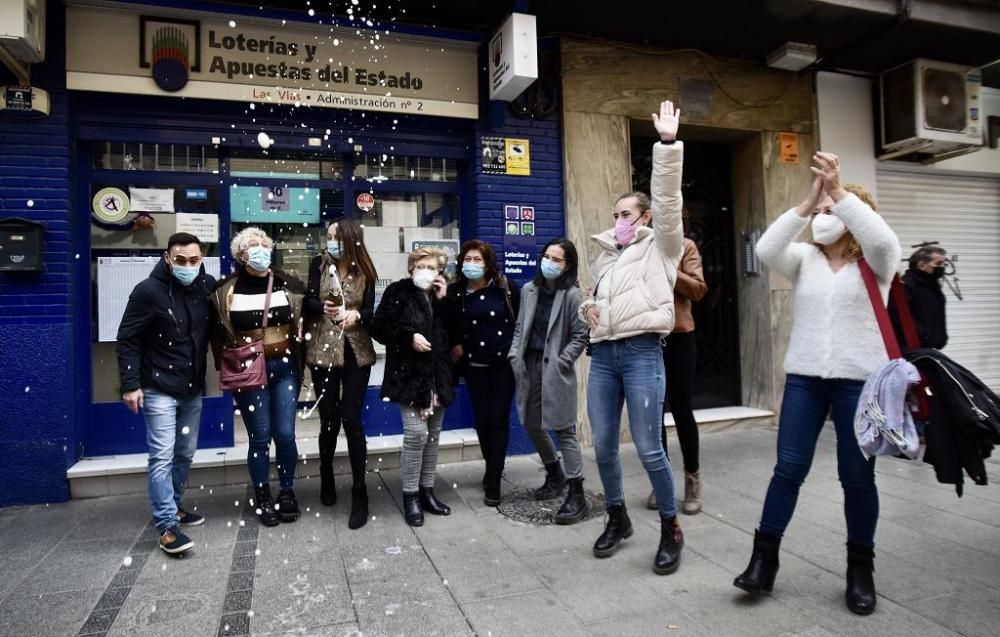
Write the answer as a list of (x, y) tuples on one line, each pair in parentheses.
[(881, 313), (905, 316), (267, 299)]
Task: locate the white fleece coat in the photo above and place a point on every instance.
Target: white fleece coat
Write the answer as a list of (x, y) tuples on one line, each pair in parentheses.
[(633, 287), (834, 332)]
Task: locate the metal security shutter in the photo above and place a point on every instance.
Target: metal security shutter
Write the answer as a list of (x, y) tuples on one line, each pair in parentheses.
[(962, 213)]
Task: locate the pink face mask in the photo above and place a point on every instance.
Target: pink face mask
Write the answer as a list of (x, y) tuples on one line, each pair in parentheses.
[(625, 231)]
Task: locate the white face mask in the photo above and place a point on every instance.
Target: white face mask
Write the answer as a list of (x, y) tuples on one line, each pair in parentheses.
[(423, 278), (827, 229)]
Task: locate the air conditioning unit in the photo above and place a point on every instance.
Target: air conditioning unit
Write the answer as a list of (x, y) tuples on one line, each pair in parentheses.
[(22, 29), (931, 108)]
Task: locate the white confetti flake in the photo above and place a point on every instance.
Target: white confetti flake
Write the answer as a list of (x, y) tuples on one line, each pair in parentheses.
[(185, 430), (31, 203), (127, 561), (232, 25)]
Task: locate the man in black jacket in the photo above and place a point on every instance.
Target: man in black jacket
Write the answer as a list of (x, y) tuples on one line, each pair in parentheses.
[(162, 347), (922, 282)]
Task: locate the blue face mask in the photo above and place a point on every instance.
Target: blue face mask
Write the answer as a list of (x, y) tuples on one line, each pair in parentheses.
[(550, 270), (259, 258), (333, 247), (185, 274), (473, 271)]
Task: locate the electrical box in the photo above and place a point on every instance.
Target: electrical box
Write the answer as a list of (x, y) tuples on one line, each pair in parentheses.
[(20, 245)]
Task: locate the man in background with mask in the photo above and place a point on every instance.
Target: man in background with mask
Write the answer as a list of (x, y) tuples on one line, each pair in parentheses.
[(922, 283), (162, 347)]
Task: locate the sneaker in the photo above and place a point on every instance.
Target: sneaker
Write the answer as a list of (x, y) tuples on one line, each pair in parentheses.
[(173, 541), (190, 519)]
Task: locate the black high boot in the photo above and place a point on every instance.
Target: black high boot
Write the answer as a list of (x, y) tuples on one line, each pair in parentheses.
[(617, 529), (575, 507), (327, 487), (411, 509), (860, 594), (668, 555), (430, 503), (264, 506), (359, 506), (287, 506), (555, 480), (759, 575)]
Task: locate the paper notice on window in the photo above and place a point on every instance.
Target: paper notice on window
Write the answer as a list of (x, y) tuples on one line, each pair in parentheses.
[(203, 226), (151, 199)]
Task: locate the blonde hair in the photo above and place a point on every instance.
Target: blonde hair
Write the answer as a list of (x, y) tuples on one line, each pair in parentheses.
[(853, 250), (422, 253), (242, 238)]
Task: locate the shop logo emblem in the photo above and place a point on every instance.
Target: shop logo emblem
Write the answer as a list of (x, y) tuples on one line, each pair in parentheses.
[(171, 48), (497, 47)]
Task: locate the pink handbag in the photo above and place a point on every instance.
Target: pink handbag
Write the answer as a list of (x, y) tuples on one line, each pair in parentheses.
[(245, 367)]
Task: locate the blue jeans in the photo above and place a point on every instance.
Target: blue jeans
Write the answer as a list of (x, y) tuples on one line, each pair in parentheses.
[(630, 371), (807, 402), (270, 413), (172, 438)]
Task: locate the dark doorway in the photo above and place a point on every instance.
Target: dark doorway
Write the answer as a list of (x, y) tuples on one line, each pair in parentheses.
[(707, 189)]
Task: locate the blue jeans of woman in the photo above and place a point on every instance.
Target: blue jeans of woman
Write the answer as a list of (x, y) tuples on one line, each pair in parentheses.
[(629, 371), (269, 413), (804, 409)]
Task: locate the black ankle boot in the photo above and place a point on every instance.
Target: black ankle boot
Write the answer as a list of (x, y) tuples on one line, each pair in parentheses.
[(430, 503), (860, 594), (491, 489), (327, 487), (555, 480), (575, 507), (759, 576), (411, 509), (618, 528), (264, 506), (359, 506), (287, 506), (668, 555)]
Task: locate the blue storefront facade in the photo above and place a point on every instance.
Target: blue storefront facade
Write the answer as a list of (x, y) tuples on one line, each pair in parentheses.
[(409, 177)]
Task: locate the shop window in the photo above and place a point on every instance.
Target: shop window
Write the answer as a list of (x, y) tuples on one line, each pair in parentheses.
[(155, 157), (124, 251), (379, 168), (282, 166)]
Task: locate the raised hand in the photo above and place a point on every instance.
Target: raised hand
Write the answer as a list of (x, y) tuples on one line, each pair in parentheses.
[(827, 169), (811, 202), (667, 121)]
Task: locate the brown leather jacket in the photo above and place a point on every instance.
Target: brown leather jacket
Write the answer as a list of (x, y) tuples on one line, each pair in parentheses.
[(690, 287)]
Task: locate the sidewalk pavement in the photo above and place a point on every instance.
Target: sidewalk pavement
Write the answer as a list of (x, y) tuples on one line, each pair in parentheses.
[(91, 567)]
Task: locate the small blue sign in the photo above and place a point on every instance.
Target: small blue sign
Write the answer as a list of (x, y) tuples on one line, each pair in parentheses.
[(196, 194)]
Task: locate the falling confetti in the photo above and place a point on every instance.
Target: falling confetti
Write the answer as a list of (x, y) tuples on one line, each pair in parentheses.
[(127, 562)]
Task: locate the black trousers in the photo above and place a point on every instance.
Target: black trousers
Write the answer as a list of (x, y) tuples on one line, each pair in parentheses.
[(343, 400), (679, 357), (491, 390)]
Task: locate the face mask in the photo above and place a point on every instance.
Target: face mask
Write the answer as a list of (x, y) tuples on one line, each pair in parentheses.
[(625, 231), (185, 274), (937, 273), (423, 278), (333, 247), (259, 258), (473, 271), (827, 229), (550, 270)]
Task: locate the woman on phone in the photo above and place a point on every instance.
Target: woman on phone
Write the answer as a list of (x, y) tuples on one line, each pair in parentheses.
[(411, 323)]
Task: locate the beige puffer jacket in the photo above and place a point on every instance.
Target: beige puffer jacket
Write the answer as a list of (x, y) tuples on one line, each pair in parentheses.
[(633, 287)]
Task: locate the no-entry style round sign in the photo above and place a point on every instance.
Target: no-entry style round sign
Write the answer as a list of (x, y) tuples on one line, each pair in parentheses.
[(366, 201)]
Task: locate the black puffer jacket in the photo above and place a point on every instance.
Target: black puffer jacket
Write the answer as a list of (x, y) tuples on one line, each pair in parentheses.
[(927, 304), (164, 334), (411, 377)]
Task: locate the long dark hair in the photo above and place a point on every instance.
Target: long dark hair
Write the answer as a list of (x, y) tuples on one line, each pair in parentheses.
[(489, 260), (569, 277), (353, 250)]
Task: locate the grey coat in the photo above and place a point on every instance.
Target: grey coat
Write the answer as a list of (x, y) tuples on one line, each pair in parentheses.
[(565, 341)]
